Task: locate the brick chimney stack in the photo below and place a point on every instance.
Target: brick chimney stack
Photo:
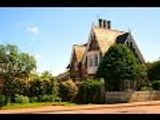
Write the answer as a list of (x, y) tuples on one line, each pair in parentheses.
[(109, 24), (100, 23)]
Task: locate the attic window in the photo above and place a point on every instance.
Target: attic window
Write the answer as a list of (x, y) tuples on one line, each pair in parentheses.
[(93, 37)]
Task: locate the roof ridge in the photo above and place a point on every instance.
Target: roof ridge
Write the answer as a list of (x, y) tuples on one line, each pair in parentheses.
[(108, 29)]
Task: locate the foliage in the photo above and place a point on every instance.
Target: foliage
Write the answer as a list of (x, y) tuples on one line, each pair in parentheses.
[(67, 90), (89, 91), (153, 70), (15, 65), (39, 87), (33, 99), (146, 88), (21, 99), (44, 85), (2, 100), (46, 98), (119, 64), (156, 85)]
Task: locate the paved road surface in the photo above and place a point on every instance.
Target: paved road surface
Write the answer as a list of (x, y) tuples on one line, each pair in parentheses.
[(123, 110), (148, 107)]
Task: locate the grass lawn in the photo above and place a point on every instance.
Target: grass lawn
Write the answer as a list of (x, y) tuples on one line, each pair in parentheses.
[(35, 105)]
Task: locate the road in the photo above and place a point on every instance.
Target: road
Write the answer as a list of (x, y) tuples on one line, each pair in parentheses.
[(123, 110)]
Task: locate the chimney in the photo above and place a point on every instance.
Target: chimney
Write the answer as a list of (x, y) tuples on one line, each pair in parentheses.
[(100, 22), (104, 23), (109, 24)]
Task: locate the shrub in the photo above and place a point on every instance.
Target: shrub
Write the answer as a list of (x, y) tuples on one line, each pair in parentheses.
[(146, 88), (156, 85), (89, 91), (67, 90), (33, 99), (43, 87), (21, 99), (46, 98), (2, 100)]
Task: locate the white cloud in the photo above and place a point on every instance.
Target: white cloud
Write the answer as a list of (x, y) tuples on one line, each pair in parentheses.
[(33, 29)]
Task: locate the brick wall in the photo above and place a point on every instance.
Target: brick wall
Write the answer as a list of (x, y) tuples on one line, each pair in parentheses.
[(132, 96)]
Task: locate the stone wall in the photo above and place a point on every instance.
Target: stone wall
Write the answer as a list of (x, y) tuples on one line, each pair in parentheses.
[(131, 96)]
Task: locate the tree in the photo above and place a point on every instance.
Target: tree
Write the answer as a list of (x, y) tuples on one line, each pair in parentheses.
[(119, 64), (15, 67), (153, 70)]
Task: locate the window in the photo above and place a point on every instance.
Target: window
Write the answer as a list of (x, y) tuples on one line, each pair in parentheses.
[(90, 62), (93, 37), (76, 66), (96, 60)]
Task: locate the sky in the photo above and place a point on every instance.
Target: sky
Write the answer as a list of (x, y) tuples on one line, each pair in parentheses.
[(49, 33)]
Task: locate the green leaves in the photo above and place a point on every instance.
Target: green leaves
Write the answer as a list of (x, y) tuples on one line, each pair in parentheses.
[(67, 90), (15, 67), (119, 64), (153, 70)]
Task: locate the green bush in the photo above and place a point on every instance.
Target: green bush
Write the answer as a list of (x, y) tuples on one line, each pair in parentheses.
[(21, 99), (46, 98), (33, 99), (67, 90), (156, 85), (2, 100), (42, 87), (146, 88), (89, 91)]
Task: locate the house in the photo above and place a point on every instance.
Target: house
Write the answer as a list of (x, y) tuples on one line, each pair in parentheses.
[(85, 58)]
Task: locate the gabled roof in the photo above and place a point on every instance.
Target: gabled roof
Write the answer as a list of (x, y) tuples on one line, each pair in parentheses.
[(106, 37), (122, 38), (79, 51)]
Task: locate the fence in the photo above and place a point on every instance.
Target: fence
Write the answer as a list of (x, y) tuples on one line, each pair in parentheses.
[(131, 96)]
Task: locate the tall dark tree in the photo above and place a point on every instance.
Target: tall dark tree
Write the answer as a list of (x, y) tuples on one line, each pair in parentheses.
[(153, 70), (119, 64)]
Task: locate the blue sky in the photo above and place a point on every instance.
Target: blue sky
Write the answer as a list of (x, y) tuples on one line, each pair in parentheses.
[(49, 33)]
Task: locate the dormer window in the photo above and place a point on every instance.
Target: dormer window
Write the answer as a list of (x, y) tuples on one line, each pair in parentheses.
[(95, 60), (90, 61), (93, 37)]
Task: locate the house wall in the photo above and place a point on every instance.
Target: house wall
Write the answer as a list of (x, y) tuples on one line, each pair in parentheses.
[(132, 96)]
